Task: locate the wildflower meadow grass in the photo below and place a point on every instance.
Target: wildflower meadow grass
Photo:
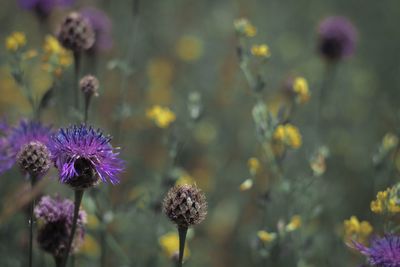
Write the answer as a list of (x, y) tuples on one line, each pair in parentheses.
[(199, 133)]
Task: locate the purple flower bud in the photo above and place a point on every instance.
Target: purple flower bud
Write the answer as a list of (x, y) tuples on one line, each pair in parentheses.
[(55, 216), (337, 38)]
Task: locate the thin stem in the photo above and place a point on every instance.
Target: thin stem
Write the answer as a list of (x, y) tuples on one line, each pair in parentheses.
[(31, 218), (86, 111), (78, 200), (129, 58), (103, 246), (58, 261), (182, 238), (329, 76), (77, 66)]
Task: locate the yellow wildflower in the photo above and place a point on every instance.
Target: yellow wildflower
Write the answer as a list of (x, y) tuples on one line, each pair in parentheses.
[(92, 221), (266, 237), (29, 54), (189, 48), (246, 185), (244, 27), (389, 141), (170, 245), (185, 178), (260, 51), (288, 134), (300, 87), (90, 246), (356, 230), (15, 41), (254, 165), (294, 224), (386, 202), (162, 116), (55, 57)]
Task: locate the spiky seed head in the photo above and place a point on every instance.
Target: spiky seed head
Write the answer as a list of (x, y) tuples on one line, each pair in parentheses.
[(89, 85), (34, 158), (185, 205), (76, 33)]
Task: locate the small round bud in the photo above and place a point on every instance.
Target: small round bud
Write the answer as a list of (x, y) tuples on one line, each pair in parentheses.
[(76, 33), (185, 205), (89, 85), (34, 158)]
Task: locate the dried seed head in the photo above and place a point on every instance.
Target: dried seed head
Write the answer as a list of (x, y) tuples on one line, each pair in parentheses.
[(76, 33), (89, 85), (34, 158), (185, 205)]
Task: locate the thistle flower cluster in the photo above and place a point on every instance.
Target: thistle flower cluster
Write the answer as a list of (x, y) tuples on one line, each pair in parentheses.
[(55, 217), (185, 205), (89, 85), (34, 158), (15, 138), (336, 38), (76, 33), (84, 157), (383, 251)]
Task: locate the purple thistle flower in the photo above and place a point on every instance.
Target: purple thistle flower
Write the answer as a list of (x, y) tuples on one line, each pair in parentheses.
[(337, 38), (57, 215), (383, 252), (83, 155), (14, 138), (43, 7), (101, 25)]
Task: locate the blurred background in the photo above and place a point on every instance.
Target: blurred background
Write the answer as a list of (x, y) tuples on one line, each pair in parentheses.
[(183, 55)]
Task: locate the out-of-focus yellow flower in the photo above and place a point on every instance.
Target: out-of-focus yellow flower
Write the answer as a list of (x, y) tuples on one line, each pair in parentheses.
[(386, 202), (170, 245), (390, 140), (288, 134), (266, 237), (90, 247), (189, 48), (92, 221), (246, 185), (260, 50), (294, 224), (300, 87), (162, 116), (254, 165), (15, 41), (29, 54), (244, 27), (354, 230), (318, 160), (55, 57), (160, 71), (185, 178)]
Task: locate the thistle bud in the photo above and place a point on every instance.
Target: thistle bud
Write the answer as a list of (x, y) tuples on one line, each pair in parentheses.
[(76, 33), (185, 205), (89, 85), (34, 158)]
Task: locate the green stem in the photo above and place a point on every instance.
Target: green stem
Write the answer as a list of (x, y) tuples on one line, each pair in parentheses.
[(78, 200), (31, 222), (77, 65), (86, 111), (103, 246), (327, 81), (182, 238), (58, 261)]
